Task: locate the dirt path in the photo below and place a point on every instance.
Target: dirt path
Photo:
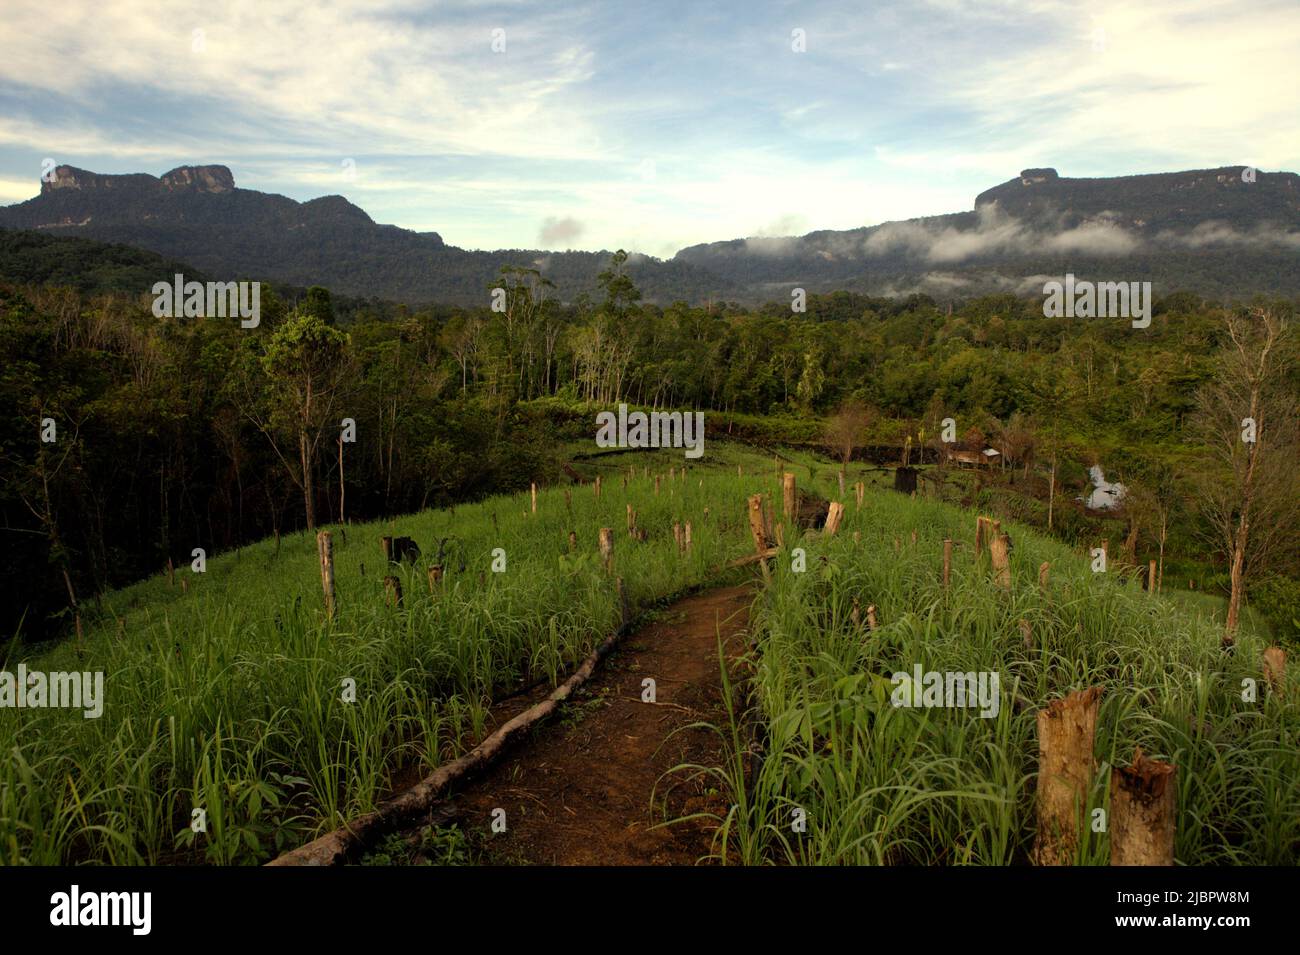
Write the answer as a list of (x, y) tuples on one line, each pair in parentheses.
[(580, 791)]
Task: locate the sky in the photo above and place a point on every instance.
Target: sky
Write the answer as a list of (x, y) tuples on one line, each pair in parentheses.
[(645, 126)]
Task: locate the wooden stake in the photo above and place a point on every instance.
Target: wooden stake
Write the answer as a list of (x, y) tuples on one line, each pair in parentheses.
[(393, 586), (1143, 817), (833, 517), (871, 617), (1000, 551), (947, 562), (1044, 570), (534, 491), (1066, 766), (1275, 670), (597, 485), (435, 578), (342, 485), (1151, 578), (861, 489), (607, 547), (788, 500), (386, 545), (573, 542), (677, 536), (757, 530), (687, 537)]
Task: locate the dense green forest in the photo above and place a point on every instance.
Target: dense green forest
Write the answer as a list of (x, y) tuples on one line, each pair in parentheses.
[(175, 434)]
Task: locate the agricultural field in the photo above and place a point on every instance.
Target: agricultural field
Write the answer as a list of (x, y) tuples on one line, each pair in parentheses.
[(234, 693)]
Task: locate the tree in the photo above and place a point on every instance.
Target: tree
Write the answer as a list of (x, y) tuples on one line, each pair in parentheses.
[(847, 429), (306, 360), (1249, 493)]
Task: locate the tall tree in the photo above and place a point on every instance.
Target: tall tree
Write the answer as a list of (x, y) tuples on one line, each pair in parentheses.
[(1246, 415)]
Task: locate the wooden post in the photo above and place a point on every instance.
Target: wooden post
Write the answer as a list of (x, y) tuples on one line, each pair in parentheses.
[(534, 497), (1044, 569), (1275, 670), (854, 616), (788, 498), (1143, 818), (435, 578), (687, 537), (947, 562), (1000, 551), (631, 519), (597, 485), (1151, 578), (393, 586), (1066, 766), (861, 490), (573, 542), (757, 528), (568, 500), (871, 617), (607, 547), (833, 517), (677, 536), (386, 545)]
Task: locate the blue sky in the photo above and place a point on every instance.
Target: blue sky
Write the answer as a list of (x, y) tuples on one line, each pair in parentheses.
[(644, 126)]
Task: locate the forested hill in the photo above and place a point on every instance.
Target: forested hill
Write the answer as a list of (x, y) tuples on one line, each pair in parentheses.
[(1226, 233)]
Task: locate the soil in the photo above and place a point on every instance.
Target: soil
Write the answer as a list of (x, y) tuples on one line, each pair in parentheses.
[(593, 785)]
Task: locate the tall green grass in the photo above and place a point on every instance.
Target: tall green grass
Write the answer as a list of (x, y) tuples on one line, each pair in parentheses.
[(229, 697), (881, 785)]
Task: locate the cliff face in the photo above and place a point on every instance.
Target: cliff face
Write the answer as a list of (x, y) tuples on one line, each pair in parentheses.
[(1232, 194), (193, 178)]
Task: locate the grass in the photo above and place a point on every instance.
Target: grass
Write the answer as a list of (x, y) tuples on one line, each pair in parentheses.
[(228, 696), (879, 784)]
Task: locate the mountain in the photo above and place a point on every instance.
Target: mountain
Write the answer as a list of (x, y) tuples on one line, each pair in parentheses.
[(1227, 233)]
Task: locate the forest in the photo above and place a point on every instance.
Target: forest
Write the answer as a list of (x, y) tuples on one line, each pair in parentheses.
[(176, 434)]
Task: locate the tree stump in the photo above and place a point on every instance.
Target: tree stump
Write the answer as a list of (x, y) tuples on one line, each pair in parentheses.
[(1066, 766), (1143, 817)]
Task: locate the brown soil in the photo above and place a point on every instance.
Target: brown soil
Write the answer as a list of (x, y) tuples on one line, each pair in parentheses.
[(590, 785)]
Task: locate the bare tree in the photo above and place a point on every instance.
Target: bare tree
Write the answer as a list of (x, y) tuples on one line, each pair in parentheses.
[(1249, 491), (847, 429)]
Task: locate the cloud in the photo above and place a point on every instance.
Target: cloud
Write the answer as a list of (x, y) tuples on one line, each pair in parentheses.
[(555, 232), (998, 234)]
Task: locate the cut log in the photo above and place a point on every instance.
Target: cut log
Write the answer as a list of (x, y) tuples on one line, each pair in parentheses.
[(325, 549), (1000, 551)]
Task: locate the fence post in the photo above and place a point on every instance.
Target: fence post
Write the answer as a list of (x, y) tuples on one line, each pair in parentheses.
[(607, 546), (788, 497), (833, 516), (393, 586), (325, 547), (947, 562), (999, 550)]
